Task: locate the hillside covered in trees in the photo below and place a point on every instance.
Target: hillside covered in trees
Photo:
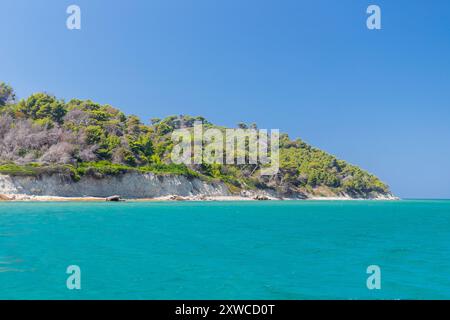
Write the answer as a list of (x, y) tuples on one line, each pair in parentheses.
[(46, 135)]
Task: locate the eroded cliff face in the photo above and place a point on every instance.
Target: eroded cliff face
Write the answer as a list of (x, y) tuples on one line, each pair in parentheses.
[(129, 185), (148, 185)]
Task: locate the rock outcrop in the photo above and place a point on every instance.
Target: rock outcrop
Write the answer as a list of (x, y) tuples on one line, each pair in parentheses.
[(146, 186), (128, 186)]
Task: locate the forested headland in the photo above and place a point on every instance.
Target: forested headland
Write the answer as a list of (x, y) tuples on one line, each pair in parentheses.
[(42, 134)]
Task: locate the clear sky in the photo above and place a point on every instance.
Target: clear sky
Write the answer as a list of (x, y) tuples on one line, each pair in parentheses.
[(379, 99)]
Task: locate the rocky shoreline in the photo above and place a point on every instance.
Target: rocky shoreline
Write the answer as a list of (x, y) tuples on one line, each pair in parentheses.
[(30, 198), (143, 187)]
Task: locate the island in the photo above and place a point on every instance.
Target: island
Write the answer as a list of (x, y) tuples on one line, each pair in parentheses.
[(51, 149)]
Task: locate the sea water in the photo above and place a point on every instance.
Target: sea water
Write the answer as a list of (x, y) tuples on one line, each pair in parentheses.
[(225, 250)]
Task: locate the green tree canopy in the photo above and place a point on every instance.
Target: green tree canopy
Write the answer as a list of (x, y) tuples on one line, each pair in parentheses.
[(7, 94)]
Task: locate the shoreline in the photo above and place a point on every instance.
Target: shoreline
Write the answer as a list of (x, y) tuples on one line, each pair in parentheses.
[(149, 187), (176, 198)]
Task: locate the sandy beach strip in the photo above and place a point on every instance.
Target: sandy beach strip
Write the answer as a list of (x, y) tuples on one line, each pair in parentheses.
[(30, 198)]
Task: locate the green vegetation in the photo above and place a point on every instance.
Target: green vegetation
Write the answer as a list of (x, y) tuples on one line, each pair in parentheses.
[(45, 135), (6, 94)]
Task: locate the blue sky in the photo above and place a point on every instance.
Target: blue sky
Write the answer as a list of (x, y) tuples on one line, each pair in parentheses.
[(379, 99)]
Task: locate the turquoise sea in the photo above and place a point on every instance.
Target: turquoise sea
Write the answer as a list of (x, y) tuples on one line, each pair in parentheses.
[(226, 250)]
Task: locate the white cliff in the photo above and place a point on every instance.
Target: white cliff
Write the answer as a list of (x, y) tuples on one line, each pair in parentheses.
[(129, 186)]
